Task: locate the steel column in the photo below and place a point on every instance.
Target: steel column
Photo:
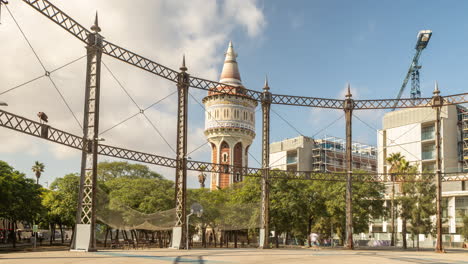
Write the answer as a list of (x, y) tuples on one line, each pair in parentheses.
[(179, 231), (86, 214), (348, 108), (392, 213), (437, 102), (265, 230)]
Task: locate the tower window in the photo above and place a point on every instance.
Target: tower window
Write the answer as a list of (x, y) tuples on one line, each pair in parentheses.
[(237, 177), (225, 157)]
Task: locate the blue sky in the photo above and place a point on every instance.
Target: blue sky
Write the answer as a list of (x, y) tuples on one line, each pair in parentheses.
[(310, 48)]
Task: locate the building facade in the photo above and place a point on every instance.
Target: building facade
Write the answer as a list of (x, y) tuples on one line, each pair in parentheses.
[(412, 133), (320, 155), (229, 122)]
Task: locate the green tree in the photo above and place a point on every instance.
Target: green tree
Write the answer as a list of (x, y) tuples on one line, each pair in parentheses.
[(465, 228), (61, 202), (405, 200), (38, 169), (212, 202), (395, 160), (20, 198), (423, 194), (368, 200), (118, 169)]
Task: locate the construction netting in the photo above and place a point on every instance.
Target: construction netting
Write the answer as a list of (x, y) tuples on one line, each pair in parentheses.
[(219, 216)]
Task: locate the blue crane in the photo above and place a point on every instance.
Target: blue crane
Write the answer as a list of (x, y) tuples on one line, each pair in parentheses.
[(413, 72)]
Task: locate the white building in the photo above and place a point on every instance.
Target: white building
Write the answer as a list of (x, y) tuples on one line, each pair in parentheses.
[(412, 133)]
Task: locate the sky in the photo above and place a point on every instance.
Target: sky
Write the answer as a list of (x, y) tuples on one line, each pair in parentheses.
[(309, 48)]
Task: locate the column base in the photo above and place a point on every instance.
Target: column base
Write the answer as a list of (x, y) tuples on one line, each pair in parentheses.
[(176, 242), (82, 238), (261, 241)]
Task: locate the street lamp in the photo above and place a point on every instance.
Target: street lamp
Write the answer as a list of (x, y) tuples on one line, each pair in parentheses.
[(197, 209)]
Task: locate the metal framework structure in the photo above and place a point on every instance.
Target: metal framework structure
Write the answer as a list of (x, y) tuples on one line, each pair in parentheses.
[(266, 105), (437, 102), (329, 153), (90, 146), (49, 133), (69, 24), (180, 229), (86, 216), (348, 109), (413, 72), (465, 140)]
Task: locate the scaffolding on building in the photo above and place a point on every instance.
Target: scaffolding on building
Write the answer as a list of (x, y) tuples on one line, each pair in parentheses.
[(328, 155), (465, 139)]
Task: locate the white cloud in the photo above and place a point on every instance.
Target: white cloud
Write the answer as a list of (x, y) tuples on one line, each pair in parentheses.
[(159, 30)]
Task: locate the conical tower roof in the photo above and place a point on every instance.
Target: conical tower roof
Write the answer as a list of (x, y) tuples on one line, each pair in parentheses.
[(230, 74)]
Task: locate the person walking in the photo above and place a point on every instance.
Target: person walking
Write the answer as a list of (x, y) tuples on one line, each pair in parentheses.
[(314, 239)]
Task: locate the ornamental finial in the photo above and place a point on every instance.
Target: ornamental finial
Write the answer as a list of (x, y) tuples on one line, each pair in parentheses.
[(348, 95), (183, 68), (266, 87), (436, 88), (96, 27)]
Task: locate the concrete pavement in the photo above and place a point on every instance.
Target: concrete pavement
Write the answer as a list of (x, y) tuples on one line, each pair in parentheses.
[(155, 256)]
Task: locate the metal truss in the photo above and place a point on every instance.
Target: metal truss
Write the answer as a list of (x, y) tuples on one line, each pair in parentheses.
[(127, 154), (455, 176), (33, 128), (69, 24), (36, 129), (60, 18)]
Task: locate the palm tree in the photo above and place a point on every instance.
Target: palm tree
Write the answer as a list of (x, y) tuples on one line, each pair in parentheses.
[(38, 169), (395, 160), (405, 167)]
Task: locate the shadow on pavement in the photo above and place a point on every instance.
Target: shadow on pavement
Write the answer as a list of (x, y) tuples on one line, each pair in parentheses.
[(180, 259)]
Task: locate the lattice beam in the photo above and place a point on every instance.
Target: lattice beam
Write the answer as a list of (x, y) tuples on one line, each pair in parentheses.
[(33, 128), (70, 25)]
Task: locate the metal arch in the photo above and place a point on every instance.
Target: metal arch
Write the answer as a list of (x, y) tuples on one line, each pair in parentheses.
[(60, 18), (139, 61), (69, 24), (36, 129)]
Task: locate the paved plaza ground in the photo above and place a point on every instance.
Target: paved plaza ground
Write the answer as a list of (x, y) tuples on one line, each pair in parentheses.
[(155, 256)]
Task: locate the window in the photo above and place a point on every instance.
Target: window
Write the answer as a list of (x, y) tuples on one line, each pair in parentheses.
[(237, 177), (428, 132), (428, 151), (428, 167), (225, 157)]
